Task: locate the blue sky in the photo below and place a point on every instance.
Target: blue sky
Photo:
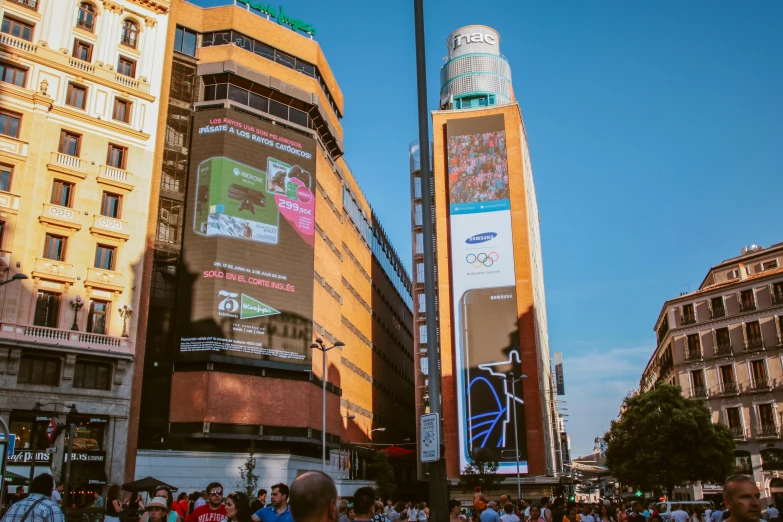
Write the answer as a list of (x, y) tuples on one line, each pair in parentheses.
[(655, 134)]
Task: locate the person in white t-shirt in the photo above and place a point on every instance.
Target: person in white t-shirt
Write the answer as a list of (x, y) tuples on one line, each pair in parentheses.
[(57, 494), (508, 515), (679, 515), (773, 515)]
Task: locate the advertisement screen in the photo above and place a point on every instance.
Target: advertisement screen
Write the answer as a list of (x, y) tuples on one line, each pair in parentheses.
[(486, 334), (246, 290)]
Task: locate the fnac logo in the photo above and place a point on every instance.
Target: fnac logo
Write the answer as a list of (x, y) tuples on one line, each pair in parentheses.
[(229, 302), (481, 238)]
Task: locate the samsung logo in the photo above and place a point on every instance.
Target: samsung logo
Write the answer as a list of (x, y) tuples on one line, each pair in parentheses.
[(502, 296), (481, 238)]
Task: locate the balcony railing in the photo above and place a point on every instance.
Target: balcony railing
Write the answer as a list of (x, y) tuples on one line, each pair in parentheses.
[(723, 349), (127, 81), (738, 433), (59, 336), (728, 388), (717, 312), (699, 392), (81, 65), (747, 306), (766, 431), (688, 319), (759, 385), (754, 343), (692, 355), (29, 4), (66, 161), (18, 43)]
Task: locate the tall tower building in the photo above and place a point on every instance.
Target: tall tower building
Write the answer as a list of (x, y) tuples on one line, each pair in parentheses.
[(491, 303)]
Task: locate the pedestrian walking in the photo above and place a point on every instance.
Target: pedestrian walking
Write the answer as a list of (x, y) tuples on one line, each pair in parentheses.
[(508, 514), (572, 514), (455, 511), (490, 514), (202, 499), (181, 505), (238, 507), (278, 511), (212, 511), (587, 513), (157, 510), (378, 512), (603, 514), (363, 503), (773, 514), (259, 501), (343, 511), (113, 504), (535, 515), (396, 512), (38, 505), (171, 514), (717, 514), (314, 498), (57, 494), (97, 501), (546, 513)]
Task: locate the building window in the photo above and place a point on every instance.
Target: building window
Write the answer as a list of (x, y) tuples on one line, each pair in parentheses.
[(17, 29), (722, 340), (734, 418), (688, 314), (422, 303), (82, 51), (694, 347), (70, 143), (6, 172), (728, 384), (9, 123), (758, 371), (29, 4), (117, 156), (96, 320), (47, 309), (62, 193), (419, 272), (777, 294), (12, 74), (86, 18), (105, 256), (91, 375), (766, 415), (769, 265), (747, 300), (423, 334), (419, 243), (185, 41), (39, 370), (130, 33), (697, 382), (716, 308), (111, 205), (54, 247), (753, 335), (2, 233), (76, 96), (169, 220), (122, 109), (126, 67)]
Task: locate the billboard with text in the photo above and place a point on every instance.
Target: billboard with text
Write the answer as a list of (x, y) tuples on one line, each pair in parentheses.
[(486, 329), (246, 292)]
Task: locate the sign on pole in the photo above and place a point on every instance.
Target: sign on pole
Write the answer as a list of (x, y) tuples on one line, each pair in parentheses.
[(559, 381), (430, 438)]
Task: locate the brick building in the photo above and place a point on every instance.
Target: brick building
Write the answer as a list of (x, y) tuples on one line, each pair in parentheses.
[(250, 65), (722, 343)]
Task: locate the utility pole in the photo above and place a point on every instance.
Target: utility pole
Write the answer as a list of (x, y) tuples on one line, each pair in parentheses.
[(437, 470)]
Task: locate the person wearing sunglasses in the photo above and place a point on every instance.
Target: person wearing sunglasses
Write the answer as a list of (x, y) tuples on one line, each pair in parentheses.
[(213, 510)]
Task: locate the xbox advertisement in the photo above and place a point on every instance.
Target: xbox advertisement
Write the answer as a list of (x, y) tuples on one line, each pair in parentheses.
[(246, 284)]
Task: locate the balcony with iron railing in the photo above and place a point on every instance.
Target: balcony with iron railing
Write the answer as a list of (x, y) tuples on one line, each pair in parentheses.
[(693, 355), (777, 298), (728, 388), (738, 433), (699, 392), (717, 312), (754, 343), (723, 349), (758, 385), (766, 431), (747, 306), (687, 319)]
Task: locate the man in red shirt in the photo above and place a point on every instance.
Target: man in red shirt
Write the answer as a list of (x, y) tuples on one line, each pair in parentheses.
[(213, 510)]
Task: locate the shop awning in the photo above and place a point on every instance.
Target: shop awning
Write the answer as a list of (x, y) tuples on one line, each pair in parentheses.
[(145, 484), (14, 479)]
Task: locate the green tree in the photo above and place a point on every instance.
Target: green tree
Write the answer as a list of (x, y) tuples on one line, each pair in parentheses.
[(249, 480), (663, 439), (481, 471), (383, 471)]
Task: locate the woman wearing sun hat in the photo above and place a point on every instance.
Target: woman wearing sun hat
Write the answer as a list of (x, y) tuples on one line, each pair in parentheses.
[(158, 510)]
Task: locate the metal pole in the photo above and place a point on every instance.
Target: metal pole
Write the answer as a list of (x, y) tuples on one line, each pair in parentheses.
[(323, 424), (437, 470), (516, 435), (69, 456), (3, 458), (33, 444)]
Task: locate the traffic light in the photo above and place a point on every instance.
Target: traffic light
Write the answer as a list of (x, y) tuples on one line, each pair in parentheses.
[(572, 498), (638, 493)]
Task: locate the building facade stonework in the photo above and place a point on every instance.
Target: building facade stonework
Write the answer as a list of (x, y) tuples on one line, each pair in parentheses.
[(78, 117), (722, 344)]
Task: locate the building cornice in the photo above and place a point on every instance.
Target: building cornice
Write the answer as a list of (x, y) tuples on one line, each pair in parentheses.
[(91, 120), (157, 6)]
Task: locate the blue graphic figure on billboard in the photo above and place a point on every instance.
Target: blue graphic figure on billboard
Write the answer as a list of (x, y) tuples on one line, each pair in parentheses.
[(489, 421)]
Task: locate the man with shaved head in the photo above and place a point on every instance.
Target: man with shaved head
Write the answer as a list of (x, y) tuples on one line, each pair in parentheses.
[(313, 498), (741, 496)]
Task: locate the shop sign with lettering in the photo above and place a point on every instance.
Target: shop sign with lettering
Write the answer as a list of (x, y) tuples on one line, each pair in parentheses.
[(280, 15), (26, 457)]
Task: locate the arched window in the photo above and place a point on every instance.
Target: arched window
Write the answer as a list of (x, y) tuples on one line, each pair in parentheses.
[(771, 459), (87, 16), (130, 33)]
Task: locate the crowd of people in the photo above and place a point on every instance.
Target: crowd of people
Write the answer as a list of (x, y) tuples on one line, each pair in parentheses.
[(478, 167), (312, 497)]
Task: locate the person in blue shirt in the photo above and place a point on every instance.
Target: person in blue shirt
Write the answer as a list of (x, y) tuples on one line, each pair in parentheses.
[(278, 511), (490, 514)]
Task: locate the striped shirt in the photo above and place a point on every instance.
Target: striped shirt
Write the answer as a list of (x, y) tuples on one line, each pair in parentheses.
[(44, 511)]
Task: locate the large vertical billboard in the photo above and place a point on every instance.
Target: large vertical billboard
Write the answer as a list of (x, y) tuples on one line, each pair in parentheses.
[(486, 333), (246, 293)]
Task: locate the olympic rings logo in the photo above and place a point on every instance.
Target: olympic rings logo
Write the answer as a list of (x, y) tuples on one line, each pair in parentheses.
[(482, 259)]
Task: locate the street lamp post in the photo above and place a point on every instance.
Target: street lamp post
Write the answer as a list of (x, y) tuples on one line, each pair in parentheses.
[(77, 305), (34, 443), (513, 382), (15, 277), (319, 345)]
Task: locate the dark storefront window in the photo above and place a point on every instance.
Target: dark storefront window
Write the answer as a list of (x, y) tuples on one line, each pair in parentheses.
[(30, 430), (88, 432), (34, 369), (91, 375)]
